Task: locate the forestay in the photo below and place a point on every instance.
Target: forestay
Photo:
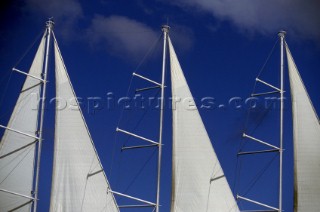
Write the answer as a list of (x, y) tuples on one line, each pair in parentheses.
[(79, 182), (306, 144), (17, 150), (198, 180)]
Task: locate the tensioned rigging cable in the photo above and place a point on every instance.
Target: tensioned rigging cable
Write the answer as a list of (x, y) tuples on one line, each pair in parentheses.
[(259, 74), (10, 72), (151, 49), (243, 143), (256, 178), (261, 118), (142, 117), (140, 170)]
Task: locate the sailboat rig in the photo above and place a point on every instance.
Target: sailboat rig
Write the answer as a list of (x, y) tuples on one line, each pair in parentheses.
[(79, 182), (198, 180), (78, 179), (306, 139)]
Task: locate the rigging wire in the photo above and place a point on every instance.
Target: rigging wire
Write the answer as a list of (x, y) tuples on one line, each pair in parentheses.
[(260, 119), (9, 110), (255, 85), (151, 49), (140, 170), (259, 175), (259, 74), (141, 118), (238, 168), (29, 48), (16, 64), (5, 91), (267, 60)]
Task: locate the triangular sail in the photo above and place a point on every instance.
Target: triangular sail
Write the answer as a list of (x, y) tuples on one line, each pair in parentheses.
[(79, 182), (17, 150), (306, 144), (198, 181)]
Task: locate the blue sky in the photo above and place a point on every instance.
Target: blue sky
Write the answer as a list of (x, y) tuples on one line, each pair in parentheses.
[(221, 46)]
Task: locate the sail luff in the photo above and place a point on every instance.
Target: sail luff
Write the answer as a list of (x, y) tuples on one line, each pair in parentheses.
[(17, 150), (198, 180), (306, 136), (79, 181)]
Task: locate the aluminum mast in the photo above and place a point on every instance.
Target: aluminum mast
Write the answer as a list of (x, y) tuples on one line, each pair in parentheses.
[(49, 25)]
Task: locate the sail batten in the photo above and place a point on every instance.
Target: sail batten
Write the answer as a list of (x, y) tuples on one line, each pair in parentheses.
[(306, 129), (79, 182), (17, 147), (198, 180)]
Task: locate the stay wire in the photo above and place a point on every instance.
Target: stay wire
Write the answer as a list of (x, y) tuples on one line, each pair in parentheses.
[(5, 90), (259, 74), (6, 112), (243, 143), (141, 118), (140, 170), (29, 48), (255, 84), (150, 50), (17, 63), (259, 175), (259, 122), (269, 56), (135, 70), (127, 93)]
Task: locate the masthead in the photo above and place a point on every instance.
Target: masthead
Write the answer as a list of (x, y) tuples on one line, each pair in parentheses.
[(165, 28), (50, 23), (282, 33)]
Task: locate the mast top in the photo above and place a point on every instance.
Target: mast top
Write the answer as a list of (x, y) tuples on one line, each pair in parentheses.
[(50, 23), (165, 28), (282, 33)]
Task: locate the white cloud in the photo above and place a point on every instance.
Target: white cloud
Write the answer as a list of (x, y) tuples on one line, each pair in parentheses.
[(129, 38), (299, 17), (123, 36)]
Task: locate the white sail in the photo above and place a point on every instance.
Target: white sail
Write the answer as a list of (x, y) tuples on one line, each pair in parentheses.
[(306, 144), (198, 180), (17, 150), (79, 182)]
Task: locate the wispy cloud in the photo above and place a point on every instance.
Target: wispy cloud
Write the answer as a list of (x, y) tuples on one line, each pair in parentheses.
[(123, 36), (65, 12), (300, 18), (182, 37)]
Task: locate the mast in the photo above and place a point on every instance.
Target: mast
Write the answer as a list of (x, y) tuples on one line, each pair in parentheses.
[(49, 25), (281, 35), (165, 29), (279, 90)]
